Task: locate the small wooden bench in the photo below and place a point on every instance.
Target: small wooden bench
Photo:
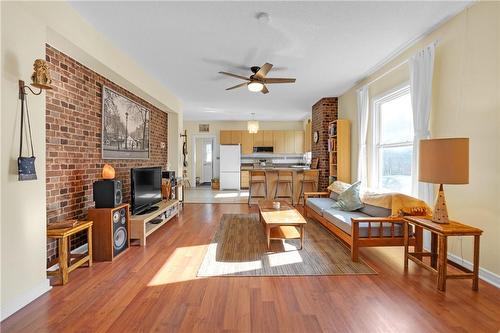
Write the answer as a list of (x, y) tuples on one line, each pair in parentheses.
[(67, 261)]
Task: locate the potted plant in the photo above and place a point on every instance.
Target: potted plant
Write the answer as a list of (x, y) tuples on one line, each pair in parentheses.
[(215, 184)]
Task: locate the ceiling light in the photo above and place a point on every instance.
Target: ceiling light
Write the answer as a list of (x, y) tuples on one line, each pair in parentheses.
[(253, 125), (255, 86)]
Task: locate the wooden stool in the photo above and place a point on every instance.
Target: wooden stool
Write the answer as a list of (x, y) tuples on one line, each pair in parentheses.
[(258, 181), (69, 262), (309, 177), (284, 178)]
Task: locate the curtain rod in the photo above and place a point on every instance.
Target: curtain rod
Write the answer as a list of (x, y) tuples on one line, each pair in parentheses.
[(404, 62)]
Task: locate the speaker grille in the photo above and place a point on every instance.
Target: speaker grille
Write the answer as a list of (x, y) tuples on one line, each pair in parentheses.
[(120, 232)]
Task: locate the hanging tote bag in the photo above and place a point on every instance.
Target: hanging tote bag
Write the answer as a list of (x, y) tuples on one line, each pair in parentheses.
[(26, 165)]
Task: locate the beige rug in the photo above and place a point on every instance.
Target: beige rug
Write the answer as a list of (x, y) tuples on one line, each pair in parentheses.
[(239, 249)]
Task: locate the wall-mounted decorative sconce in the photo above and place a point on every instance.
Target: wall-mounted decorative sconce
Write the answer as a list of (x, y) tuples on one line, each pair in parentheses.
[(41, 80)]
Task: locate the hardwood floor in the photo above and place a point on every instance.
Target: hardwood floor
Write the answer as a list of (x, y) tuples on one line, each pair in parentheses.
[(156, 289)]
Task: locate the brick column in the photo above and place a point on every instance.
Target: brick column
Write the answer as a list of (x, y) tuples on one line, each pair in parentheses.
[(323, 111)]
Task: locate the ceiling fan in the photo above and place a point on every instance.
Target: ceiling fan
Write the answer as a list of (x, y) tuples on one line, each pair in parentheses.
[(258, 80)]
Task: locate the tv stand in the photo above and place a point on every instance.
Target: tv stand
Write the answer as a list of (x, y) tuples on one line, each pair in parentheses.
[(144, 224), (149, 210)]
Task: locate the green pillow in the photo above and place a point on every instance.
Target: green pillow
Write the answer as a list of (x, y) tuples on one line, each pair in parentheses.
[(349, 199)]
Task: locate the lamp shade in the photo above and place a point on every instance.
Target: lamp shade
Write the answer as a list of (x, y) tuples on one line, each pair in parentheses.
[(444, 161)]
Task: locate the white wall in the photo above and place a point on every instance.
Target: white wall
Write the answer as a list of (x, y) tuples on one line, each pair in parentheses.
[(465, 103), (217, 126), (26, 28)]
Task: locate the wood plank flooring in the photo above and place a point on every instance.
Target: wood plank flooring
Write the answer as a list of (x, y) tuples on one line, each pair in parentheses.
[(156, 289)]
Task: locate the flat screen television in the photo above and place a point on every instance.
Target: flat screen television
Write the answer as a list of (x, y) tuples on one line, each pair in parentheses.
[(145, 189)]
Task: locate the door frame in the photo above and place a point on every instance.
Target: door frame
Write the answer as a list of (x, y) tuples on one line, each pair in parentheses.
[(193, 166)]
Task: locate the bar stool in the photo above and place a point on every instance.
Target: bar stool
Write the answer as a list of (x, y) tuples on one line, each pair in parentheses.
[(309, 177), (285, 178), (257, 181)]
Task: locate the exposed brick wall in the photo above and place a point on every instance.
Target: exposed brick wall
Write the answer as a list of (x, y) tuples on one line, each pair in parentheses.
[(323, 111), (73, 136)]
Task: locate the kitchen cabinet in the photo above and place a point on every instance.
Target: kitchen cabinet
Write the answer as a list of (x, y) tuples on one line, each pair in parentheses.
[(225, 137), (299, 142), (267, 138), (308, 137), (246, 143), (279, 142), (245, 179), (289, 142), (258, 139), (236, 137)]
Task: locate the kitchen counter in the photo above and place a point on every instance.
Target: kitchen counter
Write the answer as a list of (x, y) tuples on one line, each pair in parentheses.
[(272, 177)]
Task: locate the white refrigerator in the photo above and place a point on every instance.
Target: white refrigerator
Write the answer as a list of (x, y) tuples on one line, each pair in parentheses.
[(230, 165)]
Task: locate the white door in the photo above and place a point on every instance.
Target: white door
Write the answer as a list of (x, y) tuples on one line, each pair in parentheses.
[(206, 160)]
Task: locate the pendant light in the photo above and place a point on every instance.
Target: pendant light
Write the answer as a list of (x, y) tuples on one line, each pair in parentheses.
[(253, 125)]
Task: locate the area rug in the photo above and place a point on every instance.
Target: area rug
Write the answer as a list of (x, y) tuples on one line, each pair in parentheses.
[(239, 248)]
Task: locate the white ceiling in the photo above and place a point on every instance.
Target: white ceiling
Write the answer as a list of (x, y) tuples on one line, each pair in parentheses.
[(327, 46)]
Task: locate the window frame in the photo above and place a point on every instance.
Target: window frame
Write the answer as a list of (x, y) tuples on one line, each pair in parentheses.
[(386, 96)]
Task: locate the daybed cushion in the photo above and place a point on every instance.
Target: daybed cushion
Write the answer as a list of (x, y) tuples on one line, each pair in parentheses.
[(342, 220), (319, 204), (375, 211)]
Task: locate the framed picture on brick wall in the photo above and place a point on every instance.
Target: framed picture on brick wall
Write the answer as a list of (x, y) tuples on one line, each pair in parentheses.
[(125, 127)]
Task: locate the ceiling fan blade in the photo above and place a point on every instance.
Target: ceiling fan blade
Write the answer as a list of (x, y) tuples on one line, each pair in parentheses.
[(262, 72), (278, 80), (236, 76), (237, 86), (264, 90)]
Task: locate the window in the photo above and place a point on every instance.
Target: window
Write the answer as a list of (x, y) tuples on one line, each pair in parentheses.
[(393, 149)]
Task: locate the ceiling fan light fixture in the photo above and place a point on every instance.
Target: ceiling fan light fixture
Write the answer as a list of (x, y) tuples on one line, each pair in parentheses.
[(255, 86)]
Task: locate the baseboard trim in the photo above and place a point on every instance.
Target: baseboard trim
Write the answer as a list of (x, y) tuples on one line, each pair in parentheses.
[(24, 299), (484, 274)]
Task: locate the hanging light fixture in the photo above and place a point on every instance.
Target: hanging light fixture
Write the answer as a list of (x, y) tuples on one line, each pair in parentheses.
[(253, 125), (255, 86)]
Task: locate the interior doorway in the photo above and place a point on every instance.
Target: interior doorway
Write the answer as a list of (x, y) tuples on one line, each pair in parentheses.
[(204, 160)]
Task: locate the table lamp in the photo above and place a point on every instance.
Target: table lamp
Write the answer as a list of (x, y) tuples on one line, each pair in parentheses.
[(443, 161)]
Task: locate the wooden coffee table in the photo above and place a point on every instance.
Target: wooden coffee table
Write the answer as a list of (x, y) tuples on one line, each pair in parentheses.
[(283, 223)]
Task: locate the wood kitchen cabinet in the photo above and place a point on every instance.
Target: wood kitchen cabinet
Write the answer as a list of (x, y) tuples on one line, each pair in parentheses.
[(236, 137), (258, 139), (279, 142), (246, 143), (289, 142), (267, 138), (225, 137), (299, 142), (245, 179), (308, 137)]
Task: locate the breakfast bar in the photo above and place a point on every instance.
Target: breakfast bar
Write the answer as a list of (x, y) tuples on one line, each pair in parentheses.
[(271, 179)]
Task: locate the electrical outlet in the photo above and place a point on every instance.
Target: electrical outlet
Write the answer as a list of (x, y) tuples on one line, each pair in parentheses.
[(163, 145)]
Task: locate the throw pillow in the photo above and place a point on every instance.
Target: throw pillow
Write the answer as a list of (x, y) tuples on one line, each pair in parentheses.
[(338, 187), (349, 199)]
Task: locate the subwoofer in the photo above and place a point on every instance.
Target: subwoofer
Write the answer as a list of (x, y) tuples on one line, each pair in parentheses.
[(107, 193), (111, 231)]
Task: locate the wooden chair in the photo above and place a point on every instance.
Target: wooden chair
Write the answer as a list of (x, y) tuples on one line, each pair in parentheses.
[(311, 178), (285, 178), (257, 177)]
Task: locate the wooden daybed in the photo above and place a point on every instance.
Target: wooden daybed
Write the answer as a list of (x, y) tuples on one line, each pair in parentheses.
[(378, 231)]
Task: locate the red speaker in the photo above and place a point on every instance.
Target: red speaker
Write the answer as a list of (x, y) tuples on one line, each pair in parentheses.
[(111, 231)]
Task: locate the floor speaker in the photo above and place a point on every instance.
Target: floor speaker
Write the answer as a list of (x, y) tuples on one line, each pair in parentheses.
[(111, 231)]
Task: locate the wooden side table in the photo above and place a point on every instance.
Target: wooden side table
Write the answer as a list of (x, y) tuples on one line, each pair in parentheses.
[(439, 250), (66, 265)]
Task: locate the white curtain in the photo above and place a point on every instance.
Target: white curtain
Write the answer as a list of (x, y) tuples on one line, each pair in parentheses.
[(421, 70), (363, 107)]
